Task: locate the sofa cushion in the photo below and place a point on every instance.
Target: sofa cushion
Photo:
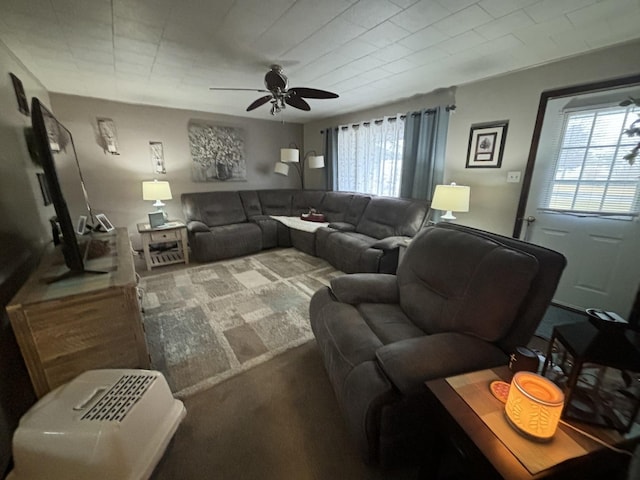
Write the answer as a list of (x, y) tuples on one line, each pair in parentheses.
[(214, 208), (276, 202), (251, 203), (342, 226), (226, 241), (387, 217), (447, 277), (335, 206), (357, 207), (411, 362), (388, 322), (347, 251), (303, 200)]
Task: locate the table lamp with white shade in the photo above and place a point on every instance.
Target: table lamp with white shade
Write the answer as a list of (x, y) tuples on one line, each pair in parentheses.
[(157, 191), (451, 198)]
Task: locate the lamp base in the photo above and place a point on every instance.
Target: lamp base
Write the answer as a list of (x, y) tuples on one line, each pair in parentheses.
[(448, 216)]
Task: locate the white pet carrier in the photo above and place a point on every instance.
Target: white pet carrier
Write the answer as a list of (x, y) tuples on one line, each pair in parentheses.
[(104, 424)]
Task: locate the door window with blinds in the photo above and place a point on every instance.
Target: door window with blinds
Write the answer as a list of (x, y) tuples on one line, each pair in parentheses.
[(591, 175)]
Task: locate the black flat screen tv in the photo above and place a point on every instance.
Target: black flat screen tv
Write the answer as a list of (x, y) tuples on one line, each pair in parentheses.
[(56, 151)]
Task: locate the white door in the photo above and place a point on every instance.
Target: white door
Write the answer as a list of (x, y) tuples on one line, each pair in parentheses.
[(603, 253)]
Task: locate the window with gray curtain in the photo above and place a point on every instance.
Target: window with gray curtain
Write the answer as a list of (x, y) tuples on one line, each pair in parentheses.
[(370, 157), (425, 141), (403, 157)]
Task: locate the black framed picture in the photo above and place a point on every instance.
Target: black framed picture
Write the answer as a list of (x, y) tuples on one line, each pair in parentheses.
[(23, 103), (486, 144)]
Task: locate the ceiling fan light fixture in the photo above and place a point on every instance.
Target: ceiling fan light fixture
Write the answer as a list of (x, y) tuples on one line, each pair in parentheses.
[(277, 85)]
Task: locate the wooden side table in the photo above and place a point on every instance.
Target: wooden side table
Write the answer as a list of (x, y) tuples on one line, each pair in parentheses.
[(170, 232), (479, 450)]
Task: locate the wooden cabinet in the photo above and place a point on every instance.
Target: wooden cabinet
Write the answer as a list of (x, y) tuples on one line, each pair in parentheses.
[(82, 322)]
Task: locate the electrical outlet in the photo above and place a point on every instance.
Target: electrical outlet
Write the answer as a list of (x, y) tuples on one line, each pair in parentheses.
[(513, 177)]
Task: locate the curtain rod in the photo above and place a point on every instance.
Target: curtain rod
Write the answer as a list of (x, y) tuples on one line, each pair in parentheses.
[(448, 108)]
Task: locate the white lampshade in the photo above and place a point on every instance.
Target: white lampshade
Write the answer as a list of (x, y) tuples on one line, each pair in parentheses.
[(316, 161), (156, 190), (281, 168), (289, 155), (534, 405), (451, 198)]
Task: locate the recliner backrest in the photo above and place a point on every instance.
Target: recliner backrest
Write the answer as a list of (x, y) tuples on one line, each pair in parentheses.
[(276, 202), (335, 206), (459, 281), (543, 286), (388, 217), (213, 208), (303, 200)]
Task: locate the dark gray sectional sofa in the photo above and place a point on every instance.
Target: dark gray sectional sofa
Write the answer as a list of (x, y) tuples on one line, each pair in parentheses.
[(363, 234)]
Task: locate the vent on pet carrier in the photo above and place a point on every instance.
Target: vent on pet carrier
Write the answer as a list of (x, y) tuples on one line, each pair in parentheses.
[(116, 403)]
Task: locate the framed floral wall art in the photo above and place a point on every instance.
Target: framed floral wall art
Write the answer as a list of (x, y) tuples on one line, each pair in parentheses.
[(217, 153), (486, 144)]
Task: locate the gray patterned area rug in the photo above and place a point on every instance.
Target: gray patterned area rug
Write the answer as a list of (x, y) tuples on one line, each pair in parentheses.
[(207, 323)]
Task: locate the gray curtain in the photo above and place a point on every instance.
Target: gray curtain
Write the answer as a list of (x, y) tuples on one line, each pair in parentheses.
[(425, 140), (331, 157)]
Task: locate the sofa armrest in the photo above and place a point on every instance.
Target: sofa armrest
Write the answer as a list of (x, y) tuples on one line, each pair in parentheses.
[(197, 226), (389, 243), (411, 362), (342, 226), (366, 288)]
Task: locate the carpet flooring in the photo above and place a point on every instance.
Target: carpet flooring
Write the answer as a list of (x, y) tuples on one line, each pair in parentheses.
[(207, 323), (277, 421)]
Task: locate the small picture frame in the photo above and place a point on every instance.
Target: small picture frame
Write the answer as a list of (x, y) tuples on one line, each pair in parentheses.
[(81, 226), (23, 103), (157, 157), (156, 219), (104, 222), (486, 144)]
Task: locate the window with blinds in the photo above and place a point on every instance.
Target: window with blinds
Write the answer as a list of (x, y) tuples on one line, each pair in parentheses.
[(591, 176)]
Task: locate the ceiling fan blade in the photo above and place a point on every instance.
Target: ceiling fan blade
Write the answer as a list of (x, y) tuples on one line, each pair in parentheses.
[(312, 93), (297, 102), (259, 102), (240, 89)]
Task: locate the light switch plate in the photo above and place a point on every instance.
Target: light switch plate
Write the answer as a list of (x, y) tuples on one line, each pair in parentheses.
[(513, 177)]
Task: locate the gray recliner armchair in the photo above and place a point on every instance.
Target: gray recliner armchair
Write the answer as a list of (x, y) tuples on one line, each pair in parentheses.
[(462, 300)]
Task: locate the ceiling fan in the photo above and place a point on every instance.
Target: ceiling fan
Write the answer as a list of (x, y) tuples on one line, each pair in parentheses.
[(280, 95)]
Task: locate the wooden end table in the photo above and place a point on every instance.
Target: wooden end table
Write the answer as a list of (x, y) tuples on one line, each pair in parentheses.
[(174, 231), (461, 430)]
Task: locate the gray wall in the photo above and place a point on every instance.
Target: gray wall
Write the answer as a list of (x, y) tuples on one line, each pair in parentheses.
[(114, 181), (24, 220), (512, 97), (21, 206)]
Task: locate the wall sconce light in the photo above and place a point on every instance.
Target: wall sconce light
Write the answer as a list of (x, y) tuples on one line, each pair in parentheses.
[(534, 405), (451, 198), (158, 191), (292, 156), (157, 157), (108, 134)]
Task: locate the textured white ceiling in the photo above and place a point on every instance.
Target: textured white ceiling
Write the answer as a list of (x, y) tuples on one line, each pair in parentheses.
[(370, 52)]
